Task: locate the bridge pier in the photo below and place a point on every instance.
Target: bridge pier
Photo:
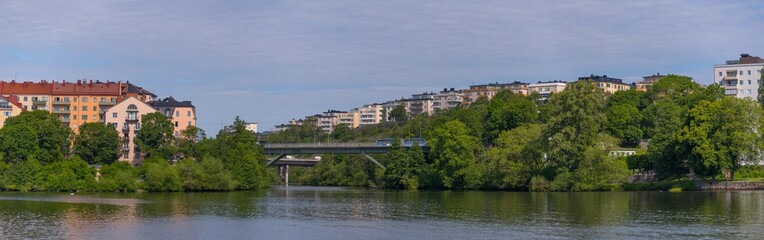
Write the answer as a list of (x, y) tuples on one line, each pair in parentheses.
[(284, 174)]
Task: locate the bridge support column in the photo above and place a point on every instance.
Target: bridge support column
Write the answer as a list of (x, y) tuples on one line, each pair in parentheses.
[(374, 161), (286, 175)]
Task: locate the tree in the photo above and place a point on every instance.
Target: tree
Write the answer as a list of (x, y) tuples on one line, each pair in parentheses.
[(507, 111), (575, 125), (516, 158), (342, 133), (155, 138), (119, 176), (159, 176), (723, 135), (396, 165), (97, 143), (663, 119), (186, 144), (760, 97), (19, 142), (629, 97), (623, 121), (398, 113), (454, 152), (52, 135), (241, 156)]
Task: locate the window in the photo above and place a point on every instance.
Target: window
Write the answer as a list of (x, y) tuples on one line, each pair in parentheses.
[(176, 123), (74, 108), (114, 115), (7, 114), (749, 82), (74, 117), (720, 74), (177, 113), (176, 133), (188, 113), (189, 123), (749, 72), (741, 73), (84, 117), (84, 108), (74, 125), (749, 91), (85, 99)]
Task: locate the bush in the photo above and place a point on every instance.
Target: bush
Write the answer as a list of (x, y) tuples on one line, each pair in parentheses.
[(215, 177), (750, 172), (159, 176), (539, 184), (119, 176)]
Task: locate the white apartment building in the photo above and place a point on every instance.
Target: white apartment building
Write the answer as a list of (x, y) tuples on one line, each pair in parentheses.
[(420, 104), (547, 88), (740, 78), (448, 98), (370, 113), (331, 118), (388, 106)]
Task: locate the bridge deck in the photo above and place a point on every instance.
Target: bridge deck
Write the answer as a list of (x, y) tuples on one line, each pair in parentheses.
[(331, 148)]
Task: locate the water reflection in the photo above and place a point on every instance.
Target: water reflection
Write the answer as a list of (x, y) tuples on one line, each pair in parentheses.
[(348, 213)]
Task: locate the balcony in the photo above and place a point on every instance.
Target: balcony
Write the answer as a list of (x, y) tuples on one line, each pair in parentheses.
[(39, 102), (61, 111), (131, 119), (64, 102), (107, 103), (65, 120)]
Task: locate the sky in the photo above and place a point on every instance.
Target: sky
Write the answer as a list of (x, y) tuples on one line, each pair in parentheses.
[(272, 61)]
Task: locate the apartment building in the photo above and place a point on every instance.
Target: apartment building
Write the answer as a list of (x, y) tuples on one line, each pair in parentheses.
[(328, 120), (546, 89), (370, 114), (647, 81), (420, 104), (388, 107), (607, 84), (74, 103), (489, 90), (126, 118), (9, 107), (182, 114), (448, 98), (740, 78)]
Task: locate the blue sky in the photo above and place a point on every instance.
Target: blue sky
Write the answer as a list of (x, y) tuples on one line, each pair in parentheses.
[(271, 61)]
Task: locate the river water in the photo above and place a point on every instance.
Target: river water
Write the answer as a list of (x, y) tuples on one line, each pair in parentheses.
[(351, 213)]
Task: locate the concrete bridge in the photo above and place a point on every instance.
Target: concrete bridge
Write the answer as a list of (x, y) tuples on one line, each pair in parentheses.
[(283, 150)]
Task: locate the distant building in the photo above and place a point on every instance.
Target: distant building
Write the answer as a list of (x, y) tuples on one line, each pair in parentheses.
[(388, 107), (252, 127), (489, 90), (328, 120), (545, 89), (9, 107), (740, 78), (648, 81), (448, 98), (420, 104), (370, 114), (125, 117), (182, 114), (607, 84)]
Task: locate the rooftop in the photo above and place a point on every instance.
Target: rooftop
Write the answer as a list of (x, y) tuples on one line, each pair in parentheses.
[(170, 102)]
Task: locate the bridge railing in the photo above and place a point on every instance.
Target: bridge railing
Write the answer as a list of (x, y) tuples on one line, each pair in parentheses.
[(319, 145)]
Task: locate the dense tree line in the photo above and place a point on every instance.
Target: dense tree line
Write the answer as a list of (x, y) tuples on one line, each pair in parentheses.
[(36, 156), (516, 142)]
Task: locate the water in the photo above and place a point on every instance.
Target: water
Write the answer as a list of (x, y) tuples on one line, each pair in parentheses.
[(348, 213)]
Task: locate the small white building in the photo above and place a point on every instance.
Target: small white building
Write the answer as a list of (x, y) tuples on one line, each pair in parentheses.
[(252, 127), (740, 78), (547, 88)]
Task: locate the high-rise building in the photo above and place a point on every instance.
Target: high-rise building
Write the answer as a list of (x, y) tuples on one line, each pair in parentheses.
[(740, 78), (370, 114)]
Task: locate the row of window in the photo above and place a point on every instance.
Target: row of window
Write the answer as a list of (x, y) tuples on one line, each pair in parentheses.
[(735, 73)]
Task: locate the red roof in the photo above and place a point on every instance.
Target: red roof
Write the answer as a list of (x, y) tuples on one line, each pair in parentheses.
[(86, 88), (42, 88), (13, 99)]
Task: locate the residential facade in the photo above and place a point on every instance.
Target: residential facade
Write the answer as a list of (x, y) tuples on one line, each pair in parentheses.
[(370, 114), (448, 98), (545, 89), (9, 107), (489, 90), (648, 81), (420, 104), (125, 117), (182, 114), (740, 78), (607, 84)]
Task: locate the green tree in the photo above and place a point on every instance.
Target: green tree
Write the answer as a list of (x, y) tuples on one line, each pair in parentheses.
[(241, 156), (25, 175), (159, 176), (215, 177), (454, 152), (398, 113), (191, 174), (69, 175), (760, 97), (97, 143), (623, 122), (507, 111), (52, 135), (186, 143), (395, 165), (516, 158), (665, 118), (342, 133), (155, 138), (629, 97), (19, 142), (723, 135), (575, 125)]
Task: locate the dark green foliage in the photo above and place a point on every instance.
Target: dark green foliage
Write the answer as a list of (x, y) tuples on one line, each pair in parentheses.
[(454, 152), (242, 157), (215, 177), (760, 96), (52, 136), (97, 143), (155, 138), (398, 113), (187, 144), (342, 133), (19, 142), (24, 175), (623, 122)]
